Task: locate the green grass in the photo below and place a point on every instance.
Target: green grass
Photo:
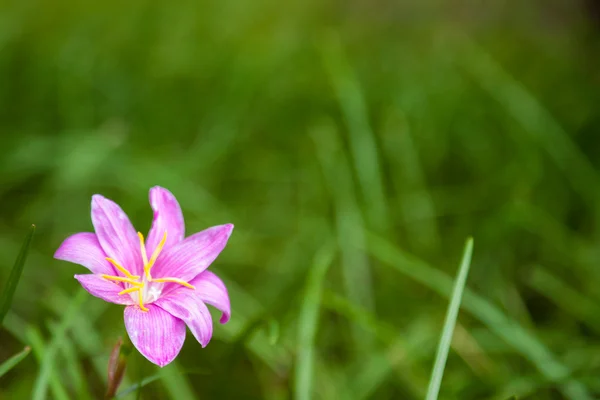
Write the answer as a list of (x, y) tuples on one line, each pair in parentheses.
[(14, 360), (506, 328), (15, 275), (437, 372), (308, 324), (49, 359), (384, 133)]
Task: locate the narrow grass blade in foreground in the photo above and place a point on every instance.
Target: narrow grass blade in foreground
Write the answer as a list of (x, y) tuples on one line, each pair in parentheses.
[(307, 327), (15, 275), (14, 360), (505, 327), (451, 315)]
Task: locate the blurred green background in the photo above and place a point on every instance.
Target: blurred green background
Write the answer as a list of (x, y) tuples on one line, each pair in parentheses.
[(355, 146)]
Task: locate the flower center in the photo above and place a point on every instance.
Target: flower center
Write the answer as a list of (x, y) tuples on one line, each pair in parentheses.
[(142, 288)]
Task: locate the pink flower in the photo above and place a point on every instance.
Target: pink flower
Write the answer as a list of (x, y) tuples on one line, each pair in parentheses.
[(163, 282)]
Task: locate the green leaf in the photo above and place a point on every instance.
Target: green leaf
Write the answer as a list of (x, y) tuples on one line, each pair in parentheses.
[(40, 350), (273, 331), (176, 383), (15, 275), (138, 386), (73, 368), (59, 336), (349, 226), (307, 327), (520, 338), (13, 361), (152, 378), (444, 346), (361, 137)]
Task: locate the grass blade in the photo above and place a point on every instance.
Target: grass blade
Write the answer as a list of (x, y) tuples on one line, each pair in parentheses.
[(349, 224), (47, 364), (72, 366), (400, 355), (307, 326), (564, 296), (416, 206), (15, 275), (176, 383), (138, 386), (362, 141), (505, 327), (13, 361), (33, 335), (537, 121), (444, 346)]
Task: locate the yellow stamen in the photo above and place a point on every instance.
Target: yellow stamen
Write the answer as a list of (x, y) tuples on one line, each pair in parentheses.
[(123, 270), (139, 286), (155, 255), (174, 280), (145, 309), (121, 279), (133, 289), (143, 248)]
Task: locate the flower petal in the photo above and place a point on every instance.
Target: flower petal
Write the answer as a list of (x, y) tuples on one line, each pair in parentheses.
[(155, 333), (188, 307), (116, 235), (84, 249), (212, 290), (104, 289), (167, 217), (192, 256)]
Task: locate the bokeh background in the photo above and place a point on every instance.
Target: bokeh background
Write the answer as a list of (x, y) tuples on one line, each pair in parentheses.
[(355, 146)]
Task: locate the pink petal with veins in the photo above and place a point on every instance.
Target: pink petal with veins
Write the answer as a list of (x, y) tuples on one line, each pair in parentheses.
[(167, 217), (156, 334), (116, 234), (192, 256), (186, 305), (84, 249), (211, 289), (97, 286)]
